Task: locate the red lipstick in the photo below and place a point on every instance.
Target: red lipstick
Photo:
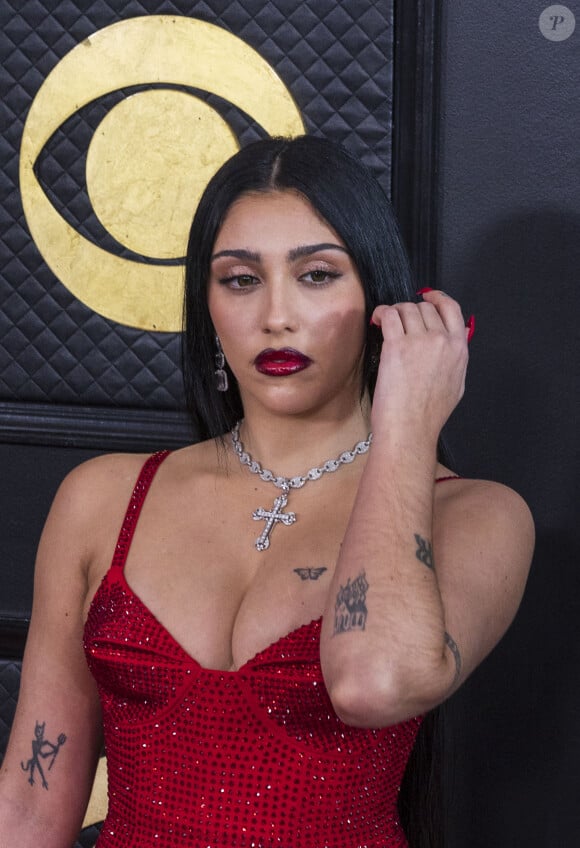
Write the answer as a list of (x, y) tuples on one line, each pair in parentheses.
[(280, 363)]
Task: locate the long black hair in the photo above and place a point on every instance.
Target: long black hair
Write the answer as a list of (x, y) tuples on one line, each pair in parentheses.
[(348, 197)]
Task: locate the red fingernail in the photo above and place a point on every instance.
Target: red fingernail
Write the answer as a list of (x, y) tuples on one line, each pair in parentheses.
[(426, 289), (372, 322), (470, 327)]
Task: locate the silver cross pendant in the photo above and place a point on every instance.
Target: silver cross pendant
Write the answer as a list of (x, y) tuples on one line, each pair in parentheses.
[(272, 517)]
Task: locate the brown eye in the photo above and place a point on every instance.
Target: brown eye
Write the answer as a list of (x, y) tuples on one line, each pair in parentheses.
[(239, 281), (319, 277), (244, 280)]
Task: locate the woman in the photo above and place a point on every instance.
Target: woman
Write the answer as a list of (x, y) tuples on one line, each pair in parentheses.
[(265, 643)]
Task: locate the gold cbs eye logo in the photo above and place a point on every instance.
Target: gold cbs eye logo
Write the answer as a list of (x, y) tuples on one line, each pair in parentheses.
[(150, 157)]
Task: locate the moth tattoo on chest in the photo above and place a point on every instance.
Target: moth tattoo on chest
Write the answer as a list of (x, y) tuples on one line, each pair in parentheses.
[(310, 573)]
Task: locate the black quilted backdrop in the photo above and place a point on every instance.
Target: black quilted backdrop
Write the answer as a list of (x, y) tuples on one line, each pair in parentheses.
[(336, 60), (9, 685)]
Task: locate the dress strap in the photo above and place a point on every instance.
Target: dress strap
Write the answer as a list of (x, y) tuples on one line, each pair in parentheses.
[(137, 500)]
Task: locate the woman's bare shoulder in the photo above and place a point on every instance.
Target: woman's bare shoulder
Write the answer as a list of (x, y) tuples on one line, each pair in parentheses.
[(485, 506), (93, 497), (209, 457), (102, 477), (87, 497), (113, 476), (471, 488)]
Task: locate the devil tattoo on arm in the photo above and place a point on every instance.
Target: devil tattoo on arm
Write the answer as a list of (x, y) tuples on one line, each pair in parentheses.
[(42, 749)]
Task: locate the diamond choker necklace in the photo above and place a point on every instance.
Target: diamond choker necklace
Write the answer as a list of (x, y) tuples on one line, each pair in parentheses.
[(274, 516)]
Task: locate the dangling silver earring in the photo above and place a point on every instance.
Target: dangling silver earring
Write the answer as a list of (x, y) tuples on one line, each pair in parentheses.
[(221, 376)]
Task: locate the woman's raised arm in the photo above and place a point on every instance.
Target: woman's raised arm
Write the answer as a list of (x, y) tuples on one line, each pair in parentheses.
[(430, 575)]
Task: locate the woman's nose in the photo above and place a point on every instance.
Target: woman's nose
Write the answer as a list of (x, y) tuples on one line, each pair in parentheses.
[(279, 311)]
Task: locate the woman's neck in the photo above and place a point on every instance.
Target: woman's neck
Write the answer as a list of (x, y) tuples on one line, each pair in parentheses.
[(291, 445)]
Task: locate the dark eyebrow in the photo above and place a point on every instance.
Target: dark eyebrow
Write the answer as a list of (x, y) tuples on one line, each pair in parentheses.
[(295, 253), (308, 249), (238, 254)]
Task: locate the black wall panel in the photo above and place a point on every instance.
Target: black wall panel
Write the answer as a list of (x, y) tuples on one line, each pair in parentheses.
[(334, 59), (509, 248), (70, 378)]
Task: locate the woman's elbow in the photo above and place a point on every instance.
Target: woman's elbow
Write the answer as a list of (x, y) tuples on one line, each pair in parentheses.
[(386, 697)]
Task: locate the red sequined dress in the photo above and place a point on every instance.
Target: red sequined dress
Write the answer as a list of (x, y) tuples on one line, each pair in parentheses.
[(253, 758)]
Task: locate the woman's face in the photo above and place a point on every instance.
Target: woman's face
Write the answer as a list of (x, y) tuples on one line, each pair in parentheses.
[(287, 303)]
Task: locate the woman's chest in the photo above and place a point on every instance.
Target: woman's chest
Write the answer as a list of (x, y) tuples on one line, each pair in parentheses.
[(204, 579)]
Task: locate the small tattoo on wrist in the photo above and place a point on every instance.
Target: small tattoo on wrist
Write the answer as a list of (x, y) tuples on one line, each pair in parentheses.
[(42, 749), (350, 609), (424, 552)]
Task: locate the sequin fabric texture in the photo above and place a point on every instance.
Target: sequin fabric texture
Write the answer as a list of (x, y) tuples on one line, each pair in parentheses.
[(253, 758)]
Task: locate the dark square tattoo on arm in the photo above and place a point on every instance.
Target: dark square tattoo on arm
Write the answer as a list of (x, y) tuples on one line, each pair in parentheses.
[(350, 608)]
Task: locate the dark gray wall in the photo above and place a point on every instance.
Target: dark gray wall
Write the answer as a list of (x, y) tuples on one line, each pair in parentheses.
[(509, 248)]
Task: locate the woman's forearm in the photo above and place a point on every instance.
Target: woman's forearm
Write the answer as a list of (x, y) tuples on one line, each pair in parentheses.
[(383, 641)]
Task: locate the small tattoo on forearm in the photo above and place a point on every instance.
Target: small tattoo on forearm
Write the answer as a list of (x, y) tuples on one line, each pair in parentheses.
[(42, 749), (453, 647), (424, 552), (350, 609), (310, 573)]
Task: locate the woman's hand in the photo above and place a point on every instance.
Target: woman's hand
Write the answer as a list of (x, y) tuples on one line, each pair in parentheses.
[(423, 363)]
